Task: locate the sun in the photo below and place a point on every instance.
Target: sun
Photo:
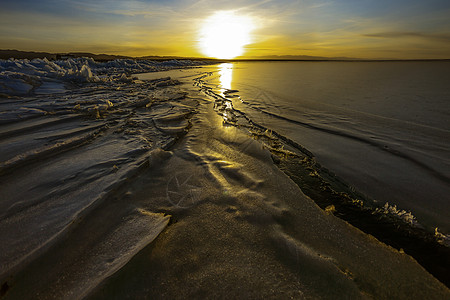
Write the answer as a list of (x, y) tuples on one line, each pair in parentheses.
[(224, 34)]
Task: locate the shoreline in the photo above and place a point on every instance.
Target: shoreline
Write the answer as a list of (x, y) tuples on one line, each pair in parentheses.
[(335, 196)]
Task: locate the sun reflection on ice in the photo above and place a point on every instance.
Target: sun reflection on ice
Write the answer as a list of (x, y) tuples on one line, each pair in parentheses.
[(225, 106), (226, 76)]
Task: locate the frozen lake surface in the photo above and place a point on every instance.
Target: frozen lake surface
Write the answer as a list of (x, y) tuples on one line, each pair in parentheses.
[(211, 182), (384, 127)]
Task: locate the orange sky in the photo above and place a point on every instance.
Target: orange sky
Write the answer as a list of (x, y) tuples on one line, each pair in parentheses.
[(359, 29)]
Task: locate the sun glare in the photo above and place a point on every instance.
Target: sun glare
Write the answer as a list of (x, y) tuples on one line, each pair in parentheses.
[(224, 34)]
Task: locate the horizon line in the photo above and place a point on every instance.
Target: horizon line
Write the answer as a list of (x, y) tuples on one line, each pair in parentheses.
[(104, 56)]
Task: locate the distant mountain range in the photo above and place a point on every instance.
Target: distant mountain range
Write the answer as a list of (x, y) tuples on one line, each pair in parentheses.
[(6, 54), (297, 57)]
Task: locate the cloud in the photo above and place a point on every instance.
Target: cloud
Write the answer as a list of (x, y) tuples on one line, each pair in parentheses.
[(410, 34), (294, 27)]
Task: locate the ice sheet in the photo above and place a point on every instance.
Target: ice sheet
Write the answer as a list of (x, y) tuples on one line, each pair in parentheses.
[(93, 176)]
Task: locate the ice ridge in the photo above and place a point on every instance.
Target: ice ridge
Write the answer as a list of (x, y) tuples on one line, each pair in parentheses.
[(23, 76)]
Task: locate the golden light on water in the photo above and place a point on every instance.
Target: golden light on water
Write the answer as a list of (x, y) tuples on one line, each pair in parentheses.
[(226, 75), (224, 34)]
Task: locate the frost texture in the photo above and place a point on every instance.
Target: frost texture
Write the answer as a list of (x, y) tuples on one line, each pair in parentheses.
[(442, 238), (408, 217)]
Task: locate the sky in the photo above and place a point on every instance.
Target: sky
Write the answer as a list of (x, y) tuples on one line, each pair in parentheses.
[(371, 29)]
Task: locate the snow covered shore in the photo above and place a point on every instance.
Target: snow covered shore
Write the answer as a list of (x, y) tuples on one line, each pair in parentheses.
[(23, 76)]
